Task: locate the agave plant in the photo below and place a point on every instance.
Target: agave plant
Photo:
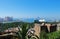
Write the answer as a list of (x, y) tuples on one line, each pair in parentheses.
[(22, 31)]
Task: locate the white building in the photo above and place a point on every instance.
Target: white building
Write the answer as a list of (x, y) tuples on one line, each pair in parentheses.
[(42, 20)]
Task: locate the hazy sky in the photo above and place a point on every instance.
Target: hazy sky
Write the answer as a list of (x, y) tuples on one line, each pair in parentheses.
[(30, 8)]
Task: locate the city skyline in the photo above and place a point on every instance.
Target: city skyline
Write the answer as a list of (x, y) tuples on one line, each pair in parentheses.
[(30, 8)]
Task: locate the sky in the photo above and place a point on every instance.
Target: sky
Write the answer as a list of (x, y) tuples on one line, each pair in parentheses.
[(30, 8)]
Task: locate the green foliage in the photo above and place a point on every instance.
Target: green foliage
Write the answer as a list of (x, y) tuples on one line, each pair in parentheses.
[(22, 33), (13, 24), (23, 25), (54, 35), (43, 35)]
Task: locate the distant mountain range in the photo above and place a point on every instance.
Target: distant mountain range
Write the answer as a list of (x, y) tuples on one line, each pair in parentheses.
[(32, 19), (29, 19)]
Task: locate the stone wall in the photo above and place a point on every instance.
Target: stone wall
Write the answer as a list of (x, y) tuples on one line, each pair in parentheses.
[(46, 27), (58, 27), (37, 29)]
